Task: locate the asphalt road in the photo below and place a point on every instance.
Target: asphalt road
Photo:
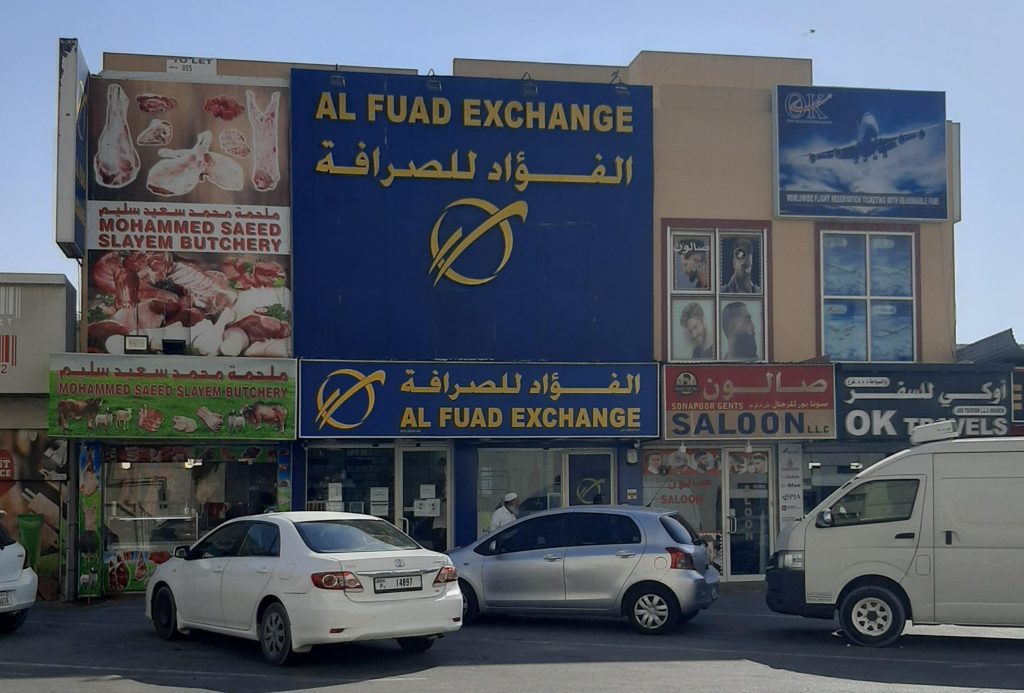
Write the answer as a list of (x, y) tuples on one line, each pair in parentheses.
[(739, 645)]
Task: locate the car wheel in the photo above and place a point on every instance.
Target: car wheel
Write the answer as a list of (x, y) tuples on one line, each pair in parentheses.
[(652, 609), (416, 645), (872, 616), (470, 605), (276, 635), (12, 621), (165, 614)]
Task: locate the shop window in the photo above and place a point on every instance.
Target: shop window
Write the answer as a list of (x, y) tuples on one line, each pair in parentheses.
[(824, 472), (356, 480), (867, 300), (534, 475), (160, 505), (716, 295)]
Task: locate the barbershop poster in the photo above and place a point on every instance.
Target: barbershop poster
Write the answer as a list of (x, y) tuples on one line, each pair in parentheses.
[(340, 399), (887, 402), (487, 219), (778, 401)]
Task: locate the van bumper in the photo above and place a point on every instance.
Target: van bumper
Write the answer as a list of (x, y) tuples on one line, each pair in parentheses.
[(786, 591)]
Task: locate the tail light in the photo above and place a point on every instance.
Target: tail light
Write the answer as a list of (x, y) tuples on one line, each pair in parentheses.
[(680, 559), (337, 581), (24, 563), (446, 574)]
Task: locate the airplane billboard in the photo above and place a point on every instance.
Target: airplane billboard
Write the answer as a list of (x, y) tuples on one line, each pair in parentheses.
[(860, 153)]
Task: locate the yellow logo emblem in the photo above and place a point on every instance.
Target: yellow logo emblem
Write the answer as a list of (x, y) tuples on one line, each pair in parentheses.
[(326, 406), (444, 255)]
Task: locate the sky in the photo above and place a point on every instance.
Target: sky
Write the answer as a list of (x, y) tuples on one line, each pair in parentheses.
[(970, 51)]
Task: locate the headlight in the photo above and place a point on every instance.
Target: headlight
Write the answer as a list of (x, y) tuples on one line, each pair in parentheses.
[(792, 560)]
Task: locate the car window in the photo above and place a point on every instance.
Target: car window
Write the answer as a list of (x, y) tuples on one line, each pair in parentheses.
[(678, 528), (539, 533), (595, 529), (222, 542), (262, 539), (343, 536), (885, 500)]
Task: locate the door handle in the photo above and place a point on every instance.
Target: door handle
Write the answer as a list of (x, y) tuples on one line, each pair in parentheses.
[(263, 569), (949, 537), (733, 528), (905, 535), (551, 558), (625, 554), (218, 569)]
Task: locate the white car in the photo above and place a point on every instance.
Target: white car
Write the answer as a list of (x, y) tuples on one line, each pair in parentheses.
[(18, 583), (297, 579)]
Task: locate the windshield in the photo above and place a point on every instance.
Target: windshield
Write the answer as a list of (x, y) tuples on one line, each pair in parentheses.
[(346, 536)]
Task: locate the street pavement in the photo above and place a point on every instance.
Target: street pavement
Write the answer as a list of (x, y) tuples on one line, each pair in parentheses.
[(738, 645)]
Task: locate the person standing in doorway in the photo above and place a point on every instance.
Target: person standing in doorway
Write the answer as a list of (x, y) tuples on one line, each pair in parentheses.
[(506, 514)]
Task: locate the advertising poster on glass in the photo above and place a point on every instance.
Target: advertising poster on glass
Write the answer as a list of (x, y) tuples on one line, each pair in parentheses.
[(33, 471), (742, 264), (188, 220), (690, 483), (694, 326), (693, 266), (91, 536), (741, 330), (878, 153), (171, 397), (749, 522)]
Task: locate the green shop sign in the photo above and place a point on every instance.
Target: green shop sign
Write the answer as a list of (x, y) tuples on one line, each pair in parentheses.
[(98, 397)]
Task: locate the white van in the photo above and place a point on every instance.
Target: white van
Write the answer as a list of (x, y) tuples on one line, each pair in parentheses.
[(933, 534)]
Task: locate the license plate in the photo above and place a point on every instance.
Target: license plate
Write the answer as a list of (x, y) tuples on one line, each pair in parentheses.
[(398, 584), (6, 599)]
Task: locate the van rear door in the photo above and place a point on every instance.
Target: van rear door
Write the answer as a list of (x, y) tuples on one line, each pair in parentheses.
[(979, 538)]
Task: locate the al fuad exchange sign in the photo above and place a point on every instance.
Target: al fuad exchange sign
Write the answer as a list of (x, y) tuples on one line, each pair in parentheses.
[(885, 402)]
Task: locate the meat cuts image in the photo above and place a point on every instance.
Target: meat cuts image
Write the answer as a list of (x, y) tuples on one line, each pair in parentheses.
[(219, 304), (189, 134)]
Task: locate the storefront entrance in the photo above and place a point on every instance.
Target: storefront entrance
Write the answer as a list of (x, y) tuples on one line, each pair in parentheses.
[(728, 504), (407, 486)]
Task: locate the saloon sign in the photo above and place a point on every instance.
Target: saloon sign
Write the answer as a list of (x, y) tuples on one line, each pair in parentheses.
[(756, 401), (887, 402)]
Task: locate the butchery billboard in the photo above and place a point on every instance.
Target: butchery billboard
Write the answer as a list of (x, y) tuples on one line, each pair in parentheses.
[(469, 218), (188, 219), (171, 397)]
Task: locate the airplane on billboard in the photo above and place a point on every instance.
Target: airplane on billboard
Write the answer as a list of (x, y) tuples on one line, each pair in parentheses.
[(869, 144)]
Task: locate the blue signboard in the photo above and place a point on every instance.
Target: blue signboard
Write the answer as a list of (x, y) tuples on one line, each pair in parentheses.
[(860, 153), (885, 402), (377, 399), (487, 219)]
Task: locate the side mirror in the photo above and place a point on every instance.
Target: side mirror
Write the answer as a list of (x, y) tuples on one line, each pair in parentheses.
[(181, 552), (824, 519)]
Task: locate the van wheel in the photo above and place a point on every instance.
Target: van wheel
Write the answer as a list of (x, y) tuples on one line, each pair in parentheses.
[(652, 609), (872, 616), (470, 605), (275, 632)]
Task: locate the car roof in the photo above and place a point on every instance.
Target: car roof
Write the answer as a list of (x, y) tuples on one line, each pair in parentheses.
[(626, 509), (296, 516)]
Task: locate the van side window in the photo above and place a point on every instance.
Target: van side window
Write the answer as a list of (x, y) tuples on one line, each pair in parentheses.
[(885, 500)]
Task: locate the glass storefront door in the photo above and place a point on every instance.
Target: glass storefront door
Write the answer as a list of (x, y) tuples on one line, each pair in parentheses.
[(424, 496), (355, 480), (747, 517), (590, 478)]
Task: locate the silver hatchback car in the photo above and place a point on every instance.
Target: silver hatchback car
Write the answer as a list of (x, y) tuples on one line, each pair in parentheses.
[(645, 564)]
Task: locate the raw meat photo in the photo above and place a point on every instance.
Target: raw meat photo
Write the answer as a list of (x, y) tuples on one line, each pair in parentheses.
[(266, 172), (159, 132), (181, 170), (230, 305), (233, 142), (155, 103), (116, 163), (223, 107)]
